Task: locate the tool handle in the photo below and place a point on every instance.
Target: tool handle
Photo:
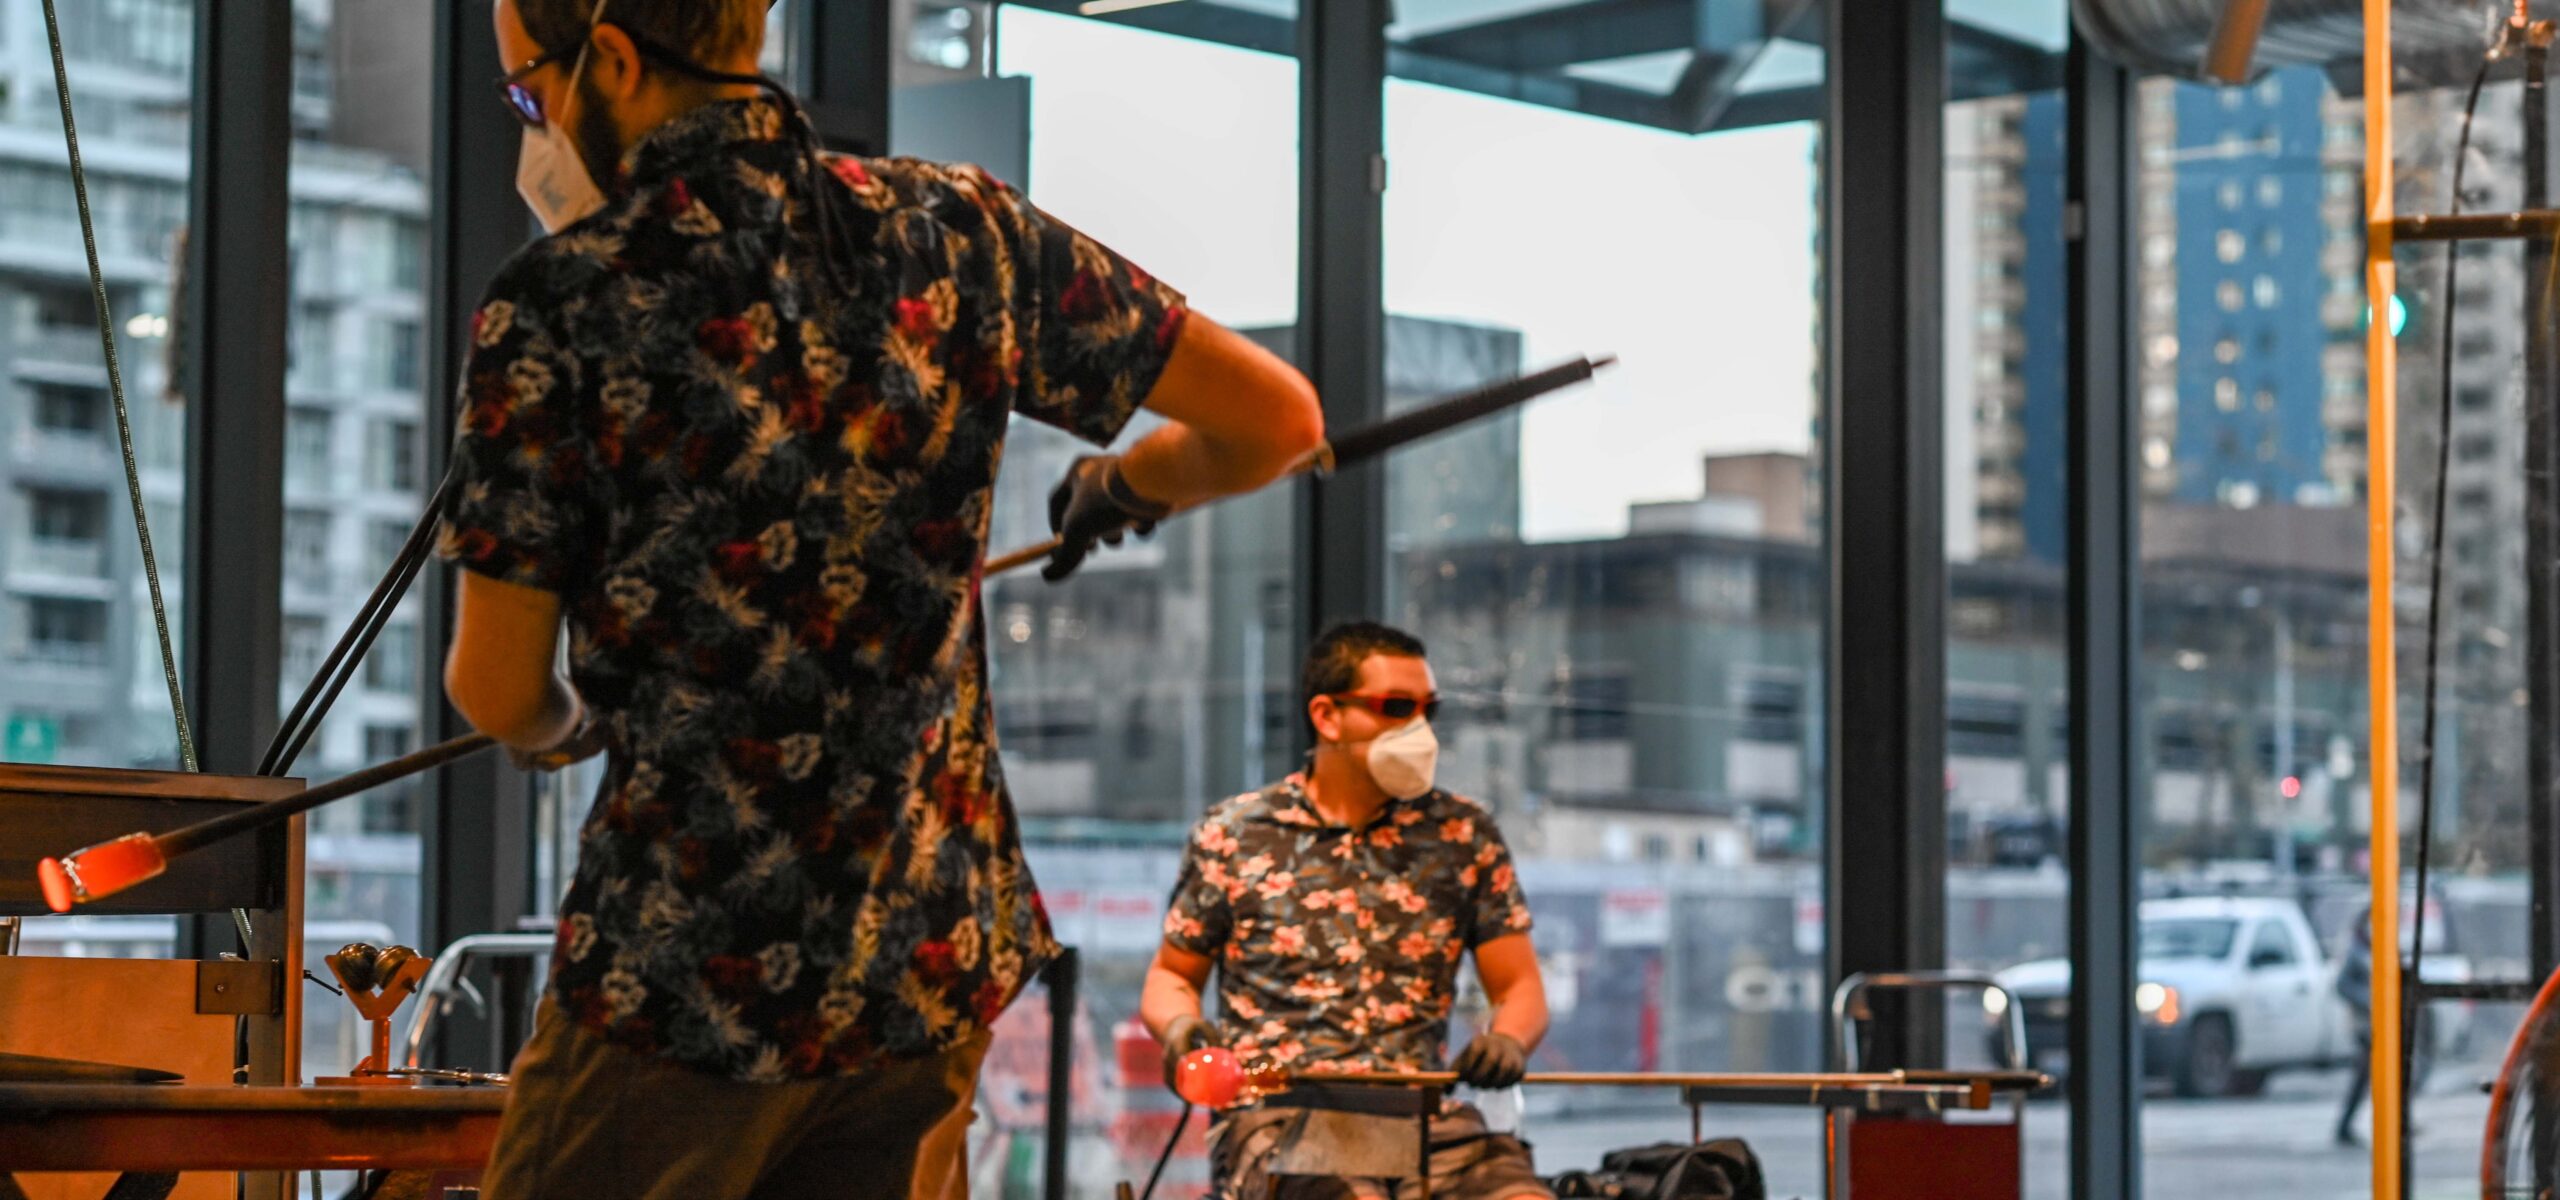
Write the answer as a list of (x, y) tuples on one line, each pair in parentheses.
[(205, 833), (1370, 441)]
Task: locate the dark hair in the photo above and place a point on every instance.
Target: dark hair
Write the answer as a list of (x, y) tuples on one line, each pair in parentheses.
[(1333, 662), (708, 31)]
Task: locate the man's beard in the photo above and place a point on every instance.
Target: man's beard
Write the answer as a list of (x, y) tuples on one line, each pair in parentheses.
[(599, 144)]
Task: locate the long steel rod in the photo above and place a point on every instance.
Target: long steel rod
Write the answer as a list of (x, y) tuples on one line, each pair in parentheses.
[(1369, 441), (97, 871), (230, 824), (2477, 227), (1708, 1080)]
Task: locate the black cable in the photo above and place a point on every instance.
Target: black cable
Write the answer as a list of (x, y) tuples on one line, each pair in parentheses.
[(1180, 1123), (2411, 980), (340, 666), (406, 570)]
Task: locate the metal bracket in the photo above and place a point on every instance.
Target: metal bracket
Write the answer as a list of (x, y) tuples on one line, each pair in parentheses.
[(231, 987)]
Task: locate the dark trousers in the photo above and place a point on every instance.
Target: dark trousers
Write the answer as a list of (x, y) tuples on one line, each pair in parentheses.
[(2357, 1086), (1468, 1162), (588, 1119)]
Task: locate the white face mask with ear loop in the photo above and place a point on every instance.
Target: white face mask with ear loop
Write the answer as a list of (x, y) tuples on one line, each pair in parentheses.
[(1403, 759), (550, 173)]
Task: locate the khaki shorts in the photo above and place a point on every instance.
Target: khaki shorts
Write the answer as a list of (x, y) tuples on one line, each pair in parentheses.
[(588, 1119), (1468, 1162)]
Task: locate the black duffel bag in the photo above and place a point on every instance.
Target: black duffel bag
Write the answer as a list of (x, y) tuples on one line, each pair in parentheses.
[(1724, 1169)]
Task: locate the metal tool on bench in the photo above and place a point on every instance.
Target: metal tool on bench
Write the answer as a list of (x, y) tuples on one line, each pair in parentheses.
[(1213, 1077), (377, 981), (1363, 1147)]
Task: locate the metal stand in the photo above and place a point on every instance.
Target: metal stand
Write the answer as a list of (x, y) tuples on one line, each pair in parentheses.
[(1417, 1104), (1988, 1147), (1062, 977), (376, 982)]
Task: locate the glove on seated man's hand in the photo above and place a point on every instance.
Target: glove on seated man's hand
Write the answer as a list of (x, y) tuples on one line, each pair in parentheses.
[(1493, 1060), (1185, 1035)]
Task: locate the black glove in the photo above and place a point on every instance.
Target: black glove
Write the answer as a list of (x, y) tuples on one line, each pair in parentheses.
[(1493, 1060), (1185, 1035), (1094, 504)]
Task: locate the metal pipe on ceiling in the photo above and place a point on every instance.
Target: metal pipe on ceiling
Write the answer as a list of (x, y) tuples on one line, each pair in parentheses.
[(2171, 37)]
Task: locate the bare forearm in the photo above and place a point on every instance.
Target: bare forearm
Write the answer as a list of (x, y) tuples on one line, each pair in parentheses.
[(502, 674), (1508, 966), (1166, 998), (524, 722), (1523, 1018), (1178, 465), (1240, 418)]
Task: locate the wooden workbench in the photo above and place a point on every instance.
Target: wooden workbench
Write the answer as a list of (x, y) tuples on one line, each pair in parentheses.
[(140, 1127)]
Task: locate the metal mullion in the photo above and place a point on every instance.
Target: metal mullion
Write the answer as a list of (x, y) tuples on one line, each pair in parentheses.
[(1884, 516), (235, 292), (233, 375), (2102, 579), (844, 66), (234, 369), (1342, 49)]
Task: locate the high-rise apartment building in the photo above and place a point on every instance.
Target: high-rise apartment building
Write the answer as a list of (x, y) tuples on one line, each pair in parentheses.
[(80, 677)]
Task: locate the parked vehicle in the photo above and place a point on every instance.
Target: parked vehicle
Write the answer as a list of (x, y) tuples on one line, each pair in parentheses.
[(2232, 990)]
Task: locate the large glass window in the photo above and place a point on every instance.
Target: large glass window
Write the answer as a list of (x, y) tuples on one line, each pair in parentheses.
[(2250, 376), (80, 672), (2462, 338), (358, 236), (1621, 586), (80, 675)]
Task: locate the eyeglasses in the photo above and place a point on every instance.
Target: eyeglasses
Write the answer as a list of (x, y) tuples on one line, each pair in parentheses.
[(521, 100), (527, 106), (1395, 706)]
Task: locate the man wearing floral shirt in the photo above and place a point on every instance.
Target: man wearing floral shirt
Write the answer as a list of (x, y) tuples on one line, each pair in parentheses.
[(1334, 906), (737, 421)]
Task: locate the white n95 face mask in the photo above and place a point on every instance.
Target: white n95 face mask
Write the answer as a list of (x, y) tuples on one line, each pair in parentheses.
[(1402, 759), (550, 174), (553, 180)]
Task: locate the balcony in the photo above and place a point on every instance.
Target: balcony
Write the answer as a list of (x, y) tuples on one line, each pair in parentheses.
[(81, 657), (310, 588), (59, 346), (70, 558), (61, 453)]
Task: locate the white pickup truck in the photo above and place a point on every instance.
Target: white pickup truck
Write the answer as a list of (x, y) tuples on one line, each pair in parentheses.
[(2232, 989)]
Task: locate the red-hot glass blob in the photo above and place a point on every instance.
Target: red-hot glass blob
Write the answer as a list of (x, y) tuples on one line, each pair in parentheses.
[(1210, 1077)]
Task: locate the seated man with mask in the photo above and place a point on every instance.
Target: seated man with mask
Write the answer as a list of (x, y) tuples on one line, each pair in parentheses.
[(1335, 905)]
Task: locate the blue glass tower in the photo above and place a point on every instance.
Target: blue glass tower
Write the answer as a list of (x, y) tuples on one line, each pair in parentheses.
[(2249, 330)]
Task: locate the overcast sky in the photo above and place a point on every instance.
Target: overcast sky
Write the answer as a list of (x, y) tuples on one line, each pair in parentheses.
[(1692, 258)]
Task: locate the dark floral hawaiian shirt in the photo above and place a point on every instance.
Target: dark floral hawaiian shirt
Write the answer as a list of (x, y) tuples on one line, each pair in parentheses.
[(758, 478), (1339, 947)]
